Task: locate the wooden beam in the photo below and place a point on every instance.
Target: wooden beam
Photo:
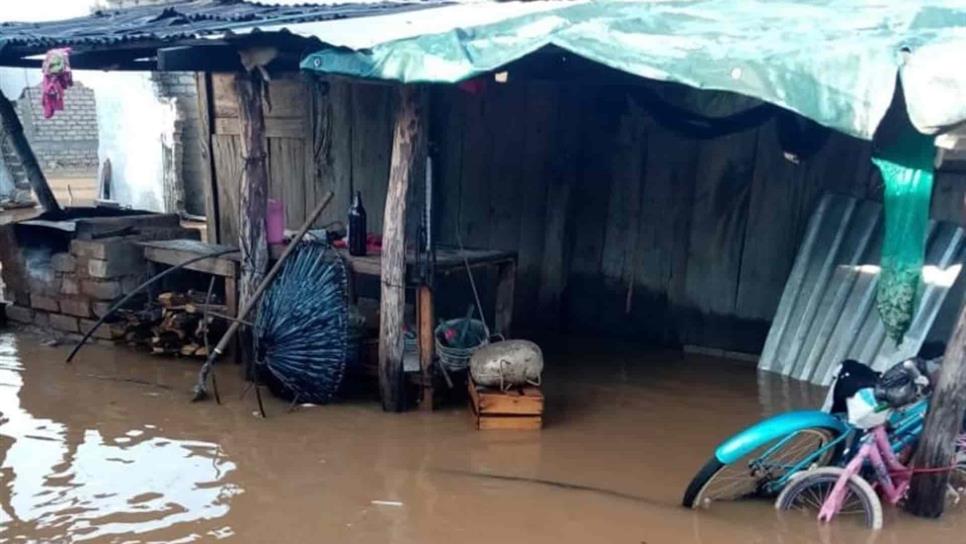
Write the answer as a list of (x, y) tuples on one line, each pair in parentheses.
[(199, 58), (252, 240), (937, 448), (38, 182), (393, 303), (206, 117)]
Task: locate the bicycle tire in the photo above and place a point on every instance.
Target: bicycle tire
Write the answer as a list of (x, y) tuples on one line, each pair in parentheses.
[(698, 492), (806, 490)]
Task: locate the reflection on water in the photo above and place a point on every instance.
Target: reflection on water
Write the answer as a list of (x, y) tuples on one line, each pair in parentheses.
[(110, 450), (71, 483)]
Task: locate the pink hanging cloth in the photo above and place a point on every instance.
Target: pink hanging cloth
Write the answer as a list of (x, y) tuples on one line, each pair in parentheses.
[(57, 78)]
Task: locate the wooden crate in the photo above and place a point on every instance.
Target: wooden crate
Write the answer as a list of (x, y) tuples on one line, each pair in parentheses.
[(517, 409)]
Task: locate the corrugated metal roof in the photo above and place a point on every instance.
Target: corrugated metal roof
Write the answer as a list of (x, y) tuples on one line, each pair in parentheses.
[(371, 31), (827, 312), (183, 20)]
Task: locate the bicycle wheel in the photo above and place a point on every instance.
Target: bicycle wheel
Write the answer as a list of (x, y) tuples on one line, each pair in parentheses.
[(746, 477), (807, 492)]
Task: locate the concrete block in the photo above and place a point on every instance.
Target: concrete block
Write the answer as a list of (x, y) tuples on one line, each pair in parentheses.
[(41, 302), (70, 285), (64, 323), (63, 262), (76, 307), (131, 264), (106, 249), (100, 308), (42, 319), (101, 290), (20, 314), (82, 265), (48, 285), (106, 331)]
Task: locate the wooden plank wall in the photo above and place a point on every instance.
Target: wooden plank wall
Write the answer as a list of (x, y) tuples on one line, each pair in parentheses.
[(290, 130), (622, 226)]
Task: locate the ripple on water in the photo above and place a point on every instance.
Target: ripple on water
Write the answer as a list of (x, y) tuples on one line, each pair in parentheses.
[(62, 483)]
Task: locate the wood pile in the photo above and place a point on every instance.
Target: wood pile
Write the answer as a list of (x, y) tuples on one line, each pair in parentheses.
[(175, 324)]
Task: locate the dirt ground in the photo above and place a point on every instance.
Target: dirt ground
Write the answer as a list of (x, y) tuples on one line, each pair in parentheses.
[(109, 449)]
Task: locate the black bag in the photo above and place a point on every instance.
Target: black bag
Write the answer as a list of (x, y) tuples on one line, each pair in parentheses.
[(852, 376), (898, 386)]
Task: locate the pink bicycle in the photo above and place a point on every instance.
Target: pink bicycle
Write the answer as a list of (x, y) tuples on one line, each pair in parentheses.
[(843, 491), (834, 491)]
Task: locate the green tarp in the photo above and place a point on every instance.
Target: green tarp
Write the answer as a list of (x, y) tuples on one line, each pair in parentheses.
[(907, 170), (833, 61)]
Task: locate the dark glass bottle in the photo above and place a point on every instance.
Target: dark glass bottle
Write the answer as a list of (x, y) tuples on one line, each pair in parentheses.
[(357, 226)]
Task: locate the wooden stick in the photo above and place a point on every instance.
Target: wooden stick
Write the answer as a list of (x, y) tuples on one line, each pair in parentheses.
[(38, 182), (424, 301), (927, 493), (393, 271), (201, 391)]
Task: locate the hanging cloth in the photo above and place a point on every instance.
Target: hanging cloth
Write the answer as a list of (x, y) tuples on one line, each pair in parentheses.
[(57, 79), (907, 169)]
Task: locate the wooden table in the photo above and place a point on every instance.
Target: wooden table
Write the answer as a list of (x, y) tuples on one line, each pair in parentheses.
[(449, 260), (176, 252)]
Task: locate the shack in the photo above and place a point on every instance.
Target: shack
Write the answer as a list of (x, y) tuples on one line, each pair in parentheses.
[(648, 173)]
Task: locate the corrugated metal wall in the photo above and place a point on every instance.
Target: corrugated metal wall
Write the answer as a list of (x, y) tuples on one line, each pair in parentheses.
[(827, 311)]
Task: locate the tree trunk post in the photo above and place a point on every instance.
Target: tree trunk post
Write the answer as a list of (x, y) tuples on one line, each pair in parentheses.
[(38, 182), (252, 239), (927, 494), (393, 268)]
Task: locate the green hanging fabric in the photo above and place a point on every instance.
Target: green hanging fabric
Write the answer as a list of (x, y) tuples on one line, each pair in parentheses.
[(907, 169)]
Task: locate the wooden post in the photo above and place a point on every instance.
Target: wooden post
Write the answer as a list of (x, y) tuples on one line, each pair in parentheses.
[(927, 494), (252, 240), (38, 182), (208, 176), (393, 269), (427, 320)]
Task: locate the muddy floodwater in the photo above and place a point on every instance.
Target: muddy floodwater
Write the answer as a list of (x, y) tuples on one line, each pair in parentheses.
[(110, 450)]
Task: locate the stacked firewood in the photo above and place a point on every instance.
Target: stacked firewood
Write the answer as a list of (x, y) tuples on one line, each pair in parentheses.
[(175, 324)]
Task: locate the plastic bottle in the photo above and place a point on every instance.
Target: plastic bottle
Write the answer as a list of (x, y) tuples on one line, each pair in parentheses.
[(275, 222)]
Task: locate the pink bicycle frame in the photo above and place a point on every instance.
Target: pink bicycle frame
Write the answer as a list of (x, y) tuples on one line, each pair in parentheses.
[(893, 477)]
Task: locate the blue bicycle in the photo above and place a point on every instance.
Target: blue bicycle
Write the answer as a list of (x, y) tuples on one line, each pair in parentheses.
[(760, 460)]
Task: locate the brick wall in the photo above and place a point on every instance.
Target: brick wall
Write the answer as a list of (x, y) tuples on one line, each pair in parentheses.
[(68, 140)]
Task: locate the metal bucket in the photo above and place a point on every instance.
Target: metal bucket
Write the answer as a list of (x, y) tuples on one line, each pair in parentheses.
[(457, 358)]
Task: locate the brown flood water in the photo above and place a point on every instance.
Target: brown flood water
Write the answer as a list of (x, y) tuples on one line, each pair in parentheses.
[(109, 450)]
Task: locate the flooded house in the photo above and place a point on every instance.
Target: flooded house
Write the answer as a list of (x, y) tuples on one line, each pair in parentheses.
[(664, 197)]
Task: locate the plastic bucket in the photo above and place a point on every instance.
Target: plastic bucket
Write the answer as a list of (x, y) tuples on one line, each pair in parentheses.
[(457, 358)]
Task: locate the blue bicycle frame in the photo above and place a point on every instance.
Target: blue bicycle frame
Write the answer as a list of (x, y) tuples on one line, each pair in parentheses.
[(905, 427)]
